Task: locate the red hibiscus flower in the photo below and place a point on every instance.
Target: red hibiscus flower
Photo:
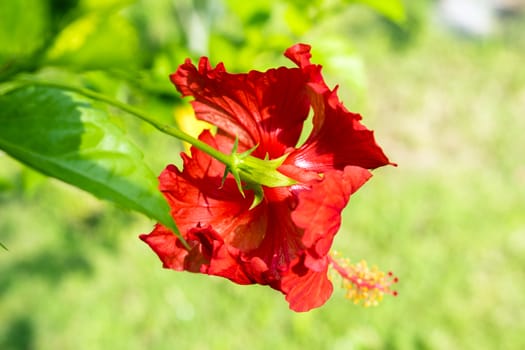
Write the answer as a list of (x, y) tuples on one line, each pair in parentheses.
[(284, 241)]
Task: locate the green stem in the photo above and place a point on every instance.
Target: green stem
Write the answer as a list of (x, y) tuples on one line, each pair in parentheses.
[(167, 129)]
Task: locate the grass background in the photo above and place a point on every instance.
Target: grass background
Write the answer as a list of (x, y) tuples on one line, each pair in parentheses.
[(449, 221)]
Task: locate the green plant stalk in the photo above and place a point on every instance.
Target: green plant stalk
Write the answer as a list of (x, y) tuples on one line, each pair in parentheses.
[(167, 129)]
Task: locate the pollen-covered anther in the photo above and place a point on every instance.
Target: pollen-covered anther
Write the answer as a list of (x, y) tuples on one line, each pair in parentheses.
[(364, 285)]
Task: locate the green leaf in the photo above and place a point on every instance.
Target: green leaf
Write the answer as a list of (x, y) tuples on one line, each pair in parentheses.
[(341, 65), (23, 28), (62, 135), (89, 42), (391, 9)]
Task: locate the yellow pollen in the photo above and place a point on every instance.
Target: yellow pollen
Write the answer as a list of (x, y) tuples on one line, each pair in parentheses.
[(364, 285)]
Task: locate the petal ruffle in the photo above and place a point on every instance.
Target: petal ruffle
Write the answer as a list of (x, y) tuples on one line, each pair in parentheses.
[(338, 138), (255, 107), (167, 246), (208, 254)]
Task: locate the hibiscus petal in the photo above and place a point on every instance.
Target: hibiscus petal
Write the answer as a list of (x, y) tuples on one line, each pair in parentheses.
[(167, 246), (319, 210), (338, 138), (198, 198), (204, 241), (306, 289), (299, 54), (266, 109), (227, 263), (282, 237)]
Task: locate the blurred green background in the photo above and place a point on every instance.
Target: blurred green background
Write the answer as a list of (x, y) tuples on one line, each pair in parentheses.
[(446, 103)]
